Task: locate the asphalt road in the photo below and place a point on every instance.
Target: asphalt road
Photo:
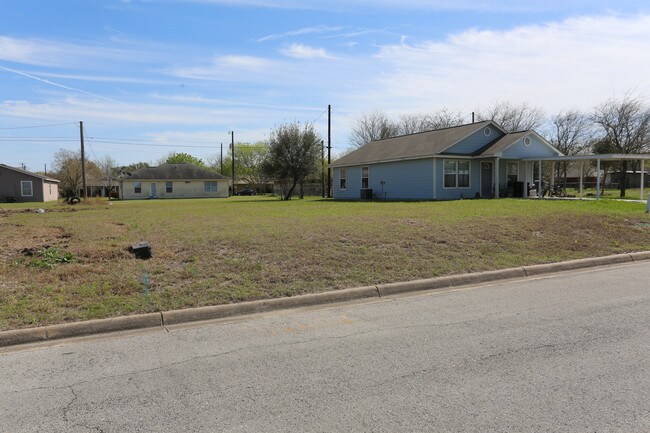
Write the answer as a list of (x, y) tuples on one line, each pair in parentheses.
[(563, 353)]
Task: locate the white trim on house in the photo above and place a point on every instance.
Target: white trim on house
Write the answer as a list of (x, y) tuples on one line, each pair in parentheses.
[(472, 133), (343, 170), (457, 174), (367, 167), (22, 188)]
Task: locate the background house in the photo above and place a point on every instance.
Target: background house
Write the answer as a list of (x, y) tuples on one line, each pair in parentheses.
[(173, 181), (24, 186), (473, 160)]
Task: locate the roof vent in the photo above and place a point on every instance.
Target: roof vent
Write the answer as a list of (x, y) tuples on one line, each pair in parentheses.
[(487, 131), (526, 141)]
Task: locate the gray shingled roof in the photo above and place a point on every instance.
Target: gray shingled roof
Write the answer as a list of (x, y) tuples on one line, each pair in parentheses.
[(412, 146), (29, 173), (173, 172)]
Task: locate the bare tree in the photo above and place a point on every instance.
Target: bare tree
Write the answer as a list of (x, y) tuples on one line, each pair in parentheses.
[(513, 117), (625, 127), (109, 172), (373, 126), (414, 123), (67, 168), (571, 134)]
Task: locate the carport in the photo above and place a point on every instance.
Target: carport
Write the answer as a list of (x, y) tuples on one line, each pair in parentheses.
[(584, 159)]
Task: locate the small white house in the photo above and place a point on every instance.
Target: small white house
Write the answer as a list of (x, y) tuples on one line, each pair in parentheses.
[(173, 181)]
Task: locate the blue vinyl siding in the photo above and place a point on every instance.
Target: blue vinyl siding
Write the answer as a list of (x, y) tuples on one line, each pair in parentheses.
[(474, 142), (535, 149), (403, 180)]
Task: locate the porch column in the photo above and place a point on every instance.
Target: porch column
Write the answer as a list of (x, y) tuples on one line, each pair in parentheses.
[(525, 179), (582, 165), (539, 180), (598, 179), (642, 177), (552, 174), (496, 177)]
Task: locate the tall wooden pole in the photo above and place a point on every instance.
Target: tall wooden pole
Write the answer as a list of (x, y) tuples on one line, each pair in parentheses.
[(322, 173), (232, 147), (221, 161), (329, 150), (83, 159)]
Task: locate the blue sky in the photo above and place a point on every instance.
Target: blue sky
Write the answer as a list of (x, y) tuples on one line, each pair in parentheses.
[(149, 77)]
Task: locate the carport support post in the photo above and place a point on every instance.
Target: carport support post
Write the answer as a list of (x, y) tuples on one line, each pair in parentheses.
[(539, 179), (496, 177), (598, 179), (642, 177), (552, 174), (582, 166)]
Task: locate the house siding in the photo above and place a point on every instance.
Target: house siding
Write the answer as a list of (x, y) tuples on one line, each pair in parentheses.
[(10, 187), (181, 189), (474, 142), (536, 149), (403, 180)]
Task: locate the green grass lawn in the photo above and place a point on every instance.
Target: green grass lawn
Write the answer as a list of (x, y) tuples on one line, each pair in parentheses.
[(215, 251), (630, 193)]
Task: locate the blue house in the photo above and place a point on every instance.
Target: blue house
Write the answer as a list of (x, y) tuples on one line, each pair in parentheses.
[(473, 160)]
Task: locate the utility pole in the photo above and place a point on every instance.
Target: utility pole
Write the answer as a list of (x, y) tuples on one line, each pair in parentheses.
[(322, 173), (83, 159), (221, 160), (329, 150), (232, 147)]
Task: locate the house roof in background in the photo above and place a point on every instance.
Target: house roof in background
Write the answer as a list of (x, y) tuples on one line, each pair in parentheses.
[(412, 146), (29, 173), (173, 172)]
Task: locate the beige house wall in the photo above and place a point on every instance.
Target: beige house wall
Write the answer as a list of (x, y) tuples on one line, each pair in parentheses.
[(50, 191), (180, 189)]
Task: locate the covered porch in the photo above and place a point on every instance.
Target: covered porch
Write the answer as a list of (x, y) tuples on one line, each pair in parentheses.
[(533, 172)]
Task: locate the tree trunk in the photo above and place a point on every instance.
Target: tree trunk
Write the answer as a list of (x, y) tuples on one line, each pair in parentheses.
[(290, 191)]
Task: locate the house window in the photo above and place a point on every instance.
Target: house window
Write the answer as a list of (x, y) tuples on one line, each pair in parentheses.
[(26, 188), (137, 188), (526, 141), (487, 131), (210, 186), (169, 187), (512, 171), (456, 174), (364, 177), (343, 178)]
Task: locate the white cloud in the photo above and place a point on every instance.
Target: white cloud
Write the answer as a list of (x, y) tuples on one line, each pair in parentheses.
[(576, 62), (41, 52), (300, 51), (302, 31)]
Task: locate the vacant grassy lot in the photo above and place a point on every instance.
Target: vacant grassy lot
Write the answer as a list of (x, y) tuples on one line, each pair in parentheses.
[(231, 250)]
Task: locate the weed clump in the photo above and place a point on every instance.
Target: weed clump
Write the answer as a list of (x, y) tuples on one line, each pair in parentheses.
[(48, 258)]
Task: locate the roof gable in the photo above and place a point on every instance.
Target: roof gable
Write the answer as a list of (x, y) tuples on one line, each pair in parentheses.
[(173, 172), (521, 144)]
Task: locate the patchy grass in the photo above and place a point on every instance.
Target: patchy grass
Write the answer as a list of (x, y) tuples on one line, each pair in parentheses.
[(215, 251)]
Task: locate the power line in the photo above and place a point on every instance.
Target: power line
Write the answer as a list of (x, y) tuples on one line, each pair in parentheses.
[(40, 126)]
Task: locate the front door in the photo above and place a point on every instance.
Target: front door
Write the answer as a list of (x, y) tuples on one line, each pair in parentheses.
[(486, 179), (154, 192)]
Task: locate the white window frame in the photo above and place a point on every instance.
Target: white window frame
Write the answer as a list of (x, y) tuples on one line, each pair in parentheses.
[(23, 183), (208, 184), (367, 169), (343, 176), (169, 187), (508, 165), (137, 187), (456, 173)]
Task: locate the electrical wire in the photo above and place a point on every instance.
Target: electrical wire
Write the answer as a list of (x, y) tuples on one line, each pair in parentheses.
[(40, 126)]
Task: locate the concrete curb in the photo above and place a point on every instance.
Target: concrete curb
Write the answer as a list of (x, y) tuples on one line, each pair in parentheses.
[(151, 320)]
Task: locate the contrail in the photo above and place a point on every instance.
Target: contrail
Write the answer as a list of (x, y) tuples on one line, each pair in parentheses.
[(43, 80)]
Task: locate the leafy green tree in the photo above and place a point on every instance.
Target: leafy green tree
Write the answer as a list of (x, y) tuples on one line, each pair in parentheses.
[(294, 154), (184, 158)]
